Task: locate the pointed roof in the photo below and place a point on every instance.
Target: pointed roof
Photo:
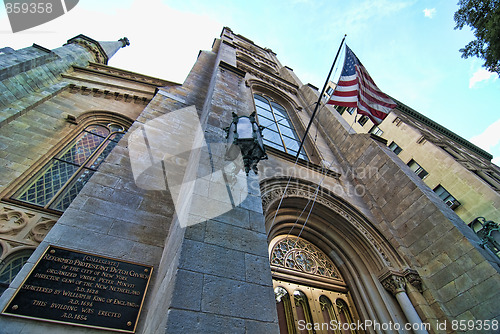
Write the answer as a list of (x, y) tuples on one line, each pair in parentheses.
[(102, 51)]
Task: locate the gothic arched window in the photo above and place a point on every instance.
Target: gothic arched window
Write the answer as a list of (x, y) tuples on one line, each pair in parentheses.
[(278, 130), (61, 179), (11, 267)]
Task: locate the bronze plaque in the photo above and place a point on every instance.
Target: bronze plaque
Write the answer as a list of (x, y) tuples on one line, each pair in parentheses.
[(82, 289)]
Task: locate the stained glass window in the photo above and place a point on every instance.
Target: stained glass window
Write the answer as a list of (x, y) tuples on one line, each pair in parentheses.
[(300, 255), (278, 130), (61, 179)]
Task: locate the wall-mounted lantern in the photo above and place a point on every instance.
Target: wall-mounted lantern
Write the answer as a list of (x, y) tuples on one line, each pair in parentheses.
[(245, 135), (488, 232)]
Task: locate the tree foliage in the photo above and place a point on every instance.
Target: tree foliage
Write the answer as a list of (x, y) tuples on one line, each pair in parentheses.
[(483, 16)]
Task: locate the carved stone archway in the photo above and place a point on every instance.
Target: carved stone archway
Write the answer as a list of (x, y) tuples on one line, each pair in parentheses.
[(356, 246)]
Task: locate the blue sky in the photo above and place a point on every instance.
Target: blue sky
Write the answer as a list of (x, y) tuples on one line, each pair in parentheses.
[(409, 47)]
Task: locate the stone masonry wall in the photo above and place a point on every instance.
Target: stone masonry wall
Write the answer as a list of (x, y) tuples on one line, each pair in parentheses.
[(216, 276)]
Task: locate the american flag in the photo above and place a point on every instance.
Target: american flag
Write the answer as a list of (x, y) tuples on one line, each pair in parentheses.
[(357, 89)]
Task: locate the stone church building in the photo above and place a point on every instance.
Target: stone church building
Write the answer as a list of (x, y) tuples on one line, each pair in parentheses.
[(121, 209)]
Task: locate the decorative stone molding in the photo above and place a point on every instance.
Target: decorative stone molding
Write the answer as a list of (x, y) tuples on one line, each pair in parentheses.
[(125, 41), (413, 278), (269, 78), (12, 220), (84, 90), (393, 282), (103, 70), (91, 45), (22, 228), (40, 230), (275, 194)]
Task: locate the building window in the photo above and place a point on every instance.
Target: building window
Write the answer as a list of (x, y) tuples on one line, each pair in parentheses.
[(395, 148), (340, 109), (446, 197), (278, 130), (11, 268), (61, 179), (376, 131), (414, 166), (329, 91), (362, 120), (397, 121)]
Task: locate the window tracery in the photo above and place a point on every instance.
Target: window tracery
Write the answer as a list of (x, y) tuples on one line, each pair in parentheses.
[(302, 256), (61, 179)]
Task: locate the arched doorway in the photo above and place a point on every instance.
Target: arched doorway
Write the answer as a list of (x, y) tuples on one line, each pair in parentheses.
[(311, 295), (357, 249)]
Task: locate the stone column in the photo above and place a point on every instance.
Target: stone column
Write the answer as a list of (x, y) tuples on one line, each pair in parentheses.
[(395, 283)]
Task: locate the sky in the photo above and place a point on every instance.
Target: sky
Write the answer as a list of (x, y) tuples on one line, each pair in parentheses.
[(409, 47)]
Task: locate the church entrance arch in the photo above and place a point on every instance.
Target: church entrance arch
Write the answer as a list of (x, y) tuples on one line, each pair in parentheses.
[(333, 259)]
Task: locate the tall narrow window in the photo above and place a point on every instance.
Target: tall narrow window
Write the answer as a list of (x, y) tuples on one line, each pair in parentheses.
[(278, 130), (362, 120), (61, 179)]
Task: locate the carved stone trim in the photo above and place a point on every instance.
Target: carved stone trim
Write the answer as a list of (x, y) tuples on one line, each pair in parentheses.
[(275, 81), (393, 282), (12, 220), (93, 46), (275, 194), (40, 230), (413, 278), (22, 228), (106, 94), (116, 72)]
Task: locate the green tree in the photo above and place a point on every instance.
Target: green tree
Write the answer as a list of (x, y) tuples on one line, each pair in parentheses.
[(483, 16)]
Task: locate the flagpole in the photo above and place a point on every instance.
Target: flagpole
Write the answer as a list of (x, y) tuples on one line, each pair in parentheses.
[(319, 99)]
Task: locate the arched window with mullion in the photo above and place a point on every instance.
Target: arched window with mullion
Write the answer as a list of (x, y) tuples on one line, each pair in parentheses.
[(278, 130), (11, 267), (61, 179)]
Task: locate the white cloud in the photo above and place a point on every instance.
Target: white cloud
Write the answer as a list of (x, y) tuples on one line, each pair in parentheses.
[(429, 12), (481, 75), (489, 138), (164, 42)]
